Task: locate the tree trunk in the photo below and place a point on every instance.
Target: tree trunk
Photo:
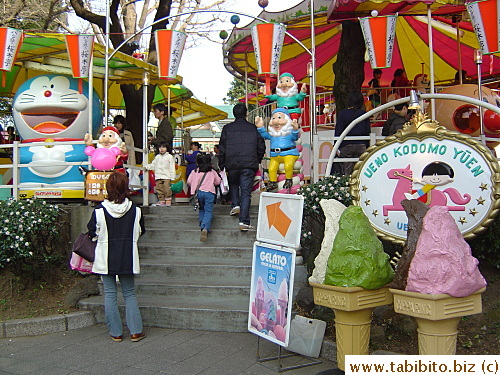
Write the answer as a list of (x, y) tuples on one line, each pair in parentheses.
[(133, 98), (349, 67)]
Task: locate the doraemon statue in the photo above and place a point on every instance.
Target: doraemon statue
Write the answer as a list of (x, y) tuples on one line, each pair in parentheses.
[(53, 108)]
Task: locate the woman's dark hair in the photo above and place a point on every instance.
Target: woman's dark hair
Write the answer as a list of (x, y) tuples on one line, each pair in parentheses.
[(398, 72), (117, 187), (121, 119), (355, 99), (197, 144), (204, 162), (439, 168), (165, 144)]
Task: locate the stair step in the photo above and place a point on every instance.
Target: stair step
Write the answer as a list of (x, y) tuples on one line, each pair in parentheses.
[(195, 261), (210, 314), (178, 288), (191, 221), (226, 274), (205, 253), (192, 236), (184, 209)]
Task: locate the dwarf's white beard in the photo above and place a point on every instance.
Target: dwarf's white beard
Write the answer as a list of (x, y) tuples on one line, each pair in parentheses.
[(285, 130), (291, 92)]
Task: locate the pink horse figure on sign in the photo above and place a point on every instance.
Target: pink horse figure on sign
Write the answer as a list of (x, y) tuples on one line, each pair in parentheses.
[(432, 197)]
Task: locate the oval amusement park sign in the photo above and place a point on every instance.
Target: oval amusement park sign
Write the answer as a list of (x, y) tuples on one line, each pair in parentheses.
[(437, 166)]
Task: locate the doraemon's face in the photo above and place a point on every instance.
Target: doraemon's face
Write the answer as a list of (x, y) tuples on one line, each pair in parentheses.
[(50, 106)]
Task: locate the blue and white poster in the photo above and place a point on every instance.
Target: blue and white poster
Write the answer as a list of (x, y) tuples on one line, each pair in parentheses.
[(271, 292)]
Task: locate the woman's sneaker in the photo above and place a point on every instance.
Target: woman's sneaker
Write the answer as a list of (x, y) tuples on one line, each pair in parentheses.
[(246, 227), (204, 235), (234, 211)]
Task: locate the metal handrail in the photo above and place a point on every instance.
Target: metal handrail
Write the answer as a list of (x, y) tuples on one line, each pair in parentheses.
[(13, 151)]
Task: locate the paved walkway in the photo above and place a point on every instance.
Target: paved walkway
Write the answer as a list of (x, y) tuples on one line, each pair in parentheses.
[(164, 351)]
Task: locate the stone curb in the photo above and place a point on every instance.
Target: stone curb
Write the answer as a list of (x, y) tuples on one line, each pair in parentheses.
[(46, 324), (329, 351)]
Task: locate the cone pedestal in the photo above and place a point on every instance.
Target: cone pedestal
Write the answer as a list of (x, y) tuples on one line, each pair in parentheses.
[(437, 317), (353, 315)]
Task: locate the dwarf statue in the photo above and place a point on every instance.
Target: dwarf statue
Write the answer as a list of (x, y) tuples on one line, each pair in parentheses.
[(109, 139), (287, 95), (283, 132)]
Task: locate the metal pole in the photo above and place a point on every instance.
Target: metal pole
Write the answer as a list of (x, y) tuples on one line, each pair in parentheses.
[(15, 169), (246, 87), (91, 93), (145, 117), (431, 59), (312, 101), (106, 65), (459, 52), (478, 59)]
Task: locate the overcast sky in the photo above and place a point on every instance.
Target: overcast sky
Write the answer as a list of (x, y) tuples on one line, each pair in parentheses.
[(202, 67)]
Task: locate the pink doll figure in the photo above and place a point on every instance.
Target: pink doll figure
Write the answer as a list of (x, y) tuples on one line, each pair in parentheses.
[(110, 153), (288, 96), (282, 132)]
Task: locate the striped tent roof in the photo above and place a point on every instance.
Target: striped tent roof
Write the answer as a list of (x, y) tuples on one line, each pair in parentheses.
[(411, 47)]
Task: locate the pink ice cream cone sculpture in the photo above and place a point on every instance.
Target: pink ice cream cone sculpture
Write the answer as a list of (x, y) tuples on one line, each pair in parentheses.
[(443, 284)]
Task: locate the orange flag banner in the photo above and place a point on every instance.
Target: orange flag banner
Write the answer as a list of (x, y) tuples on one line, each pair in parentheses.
[(80, 49), (485, 17), (170, 45), (379, 34)]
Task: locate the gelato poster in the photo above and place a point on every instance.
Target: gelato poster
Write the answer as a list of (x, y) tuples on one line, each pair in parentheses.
[(271, 292)]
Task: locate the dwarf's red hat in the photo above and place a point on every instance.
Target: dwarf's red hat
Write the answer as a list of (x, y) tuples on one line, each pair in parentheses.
[(111, 128)]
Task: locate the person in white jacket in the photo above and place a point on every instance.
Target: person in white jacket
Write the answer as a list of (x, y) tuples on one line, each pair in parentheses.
[(164, 167)]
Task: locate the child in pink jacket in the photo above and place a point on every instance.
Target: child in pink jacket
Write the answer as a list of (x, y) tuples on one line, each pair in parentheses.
[(202, 182)]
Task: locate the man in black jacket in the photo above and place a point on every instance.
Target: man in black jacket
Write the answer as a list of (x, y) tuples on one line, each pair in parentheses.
[(241, 151)]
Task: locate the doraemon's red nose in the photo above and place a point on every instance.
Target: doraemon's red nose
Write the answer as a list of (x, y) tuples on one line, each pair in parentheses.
[(492, 121), (47, 93)]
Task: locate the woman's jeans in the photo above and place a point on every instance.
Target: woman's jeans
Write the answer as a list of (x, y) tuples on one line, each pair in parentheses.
[(132, 313), (205, 213)]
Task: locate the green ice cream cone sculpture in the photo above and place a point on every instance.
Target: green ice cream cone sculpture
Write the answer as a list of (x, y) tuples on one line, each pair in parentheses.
[(358, 269)]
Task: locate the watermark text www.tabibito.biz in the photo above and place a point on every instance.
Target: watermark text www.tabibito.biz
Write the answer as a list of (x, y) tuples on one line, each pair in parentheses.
[(422, 364)]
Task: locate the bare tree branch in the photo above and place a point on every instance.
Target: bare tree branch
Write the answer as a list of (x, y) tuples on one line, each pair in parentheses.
[(87, 15), (12, 12)]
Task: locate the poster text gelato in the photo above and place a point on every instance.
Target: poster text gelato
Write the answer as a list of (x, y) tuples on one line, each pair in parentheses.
[(274, 261)]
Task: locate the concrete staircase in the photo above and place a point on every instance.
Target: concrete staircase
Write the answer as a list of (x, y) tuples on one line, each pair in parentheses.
[(188, 284)]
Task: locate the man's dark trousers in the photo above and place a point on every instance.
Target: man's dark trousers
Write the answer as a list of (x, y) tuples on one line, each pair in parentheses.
[(240, 188)]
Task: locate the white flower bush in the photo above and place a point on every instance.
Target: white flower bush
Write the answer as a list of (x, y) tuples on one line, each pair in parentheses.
[(27, 234), (333, 187), (313, 222)]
